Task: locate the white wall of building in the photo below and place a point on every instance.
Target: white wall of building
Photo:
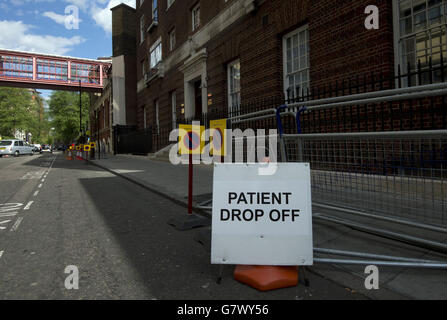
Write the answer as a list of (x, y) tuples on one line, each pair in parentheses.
[(119, 91)]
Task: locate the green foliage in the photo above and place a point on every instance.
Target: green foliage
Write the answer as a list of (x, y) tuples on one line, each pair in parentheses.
[(64, 113), (19, 110)]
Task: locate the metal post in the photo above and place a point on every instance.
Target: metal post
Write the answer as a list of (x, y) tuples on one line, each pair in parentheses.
[(190, 180), (97, 135), (80, 107)]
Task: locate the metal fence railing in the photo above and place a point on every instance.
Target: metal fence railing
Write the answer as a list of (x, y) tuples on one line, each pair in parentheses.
[(396, 174)]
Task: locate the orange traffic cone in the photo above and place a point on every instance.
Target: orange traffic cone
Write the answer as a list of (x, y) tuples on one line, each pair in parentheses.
[(266, 278), (69, 156)]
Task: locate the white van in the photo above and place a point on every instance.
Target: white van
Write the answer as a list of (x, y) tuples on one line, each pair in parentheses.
[(15, 148)]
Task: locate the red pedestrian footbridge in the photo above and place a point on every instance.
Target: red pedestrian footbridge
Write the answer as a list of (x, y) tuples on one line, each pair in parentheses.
[(44, 71)]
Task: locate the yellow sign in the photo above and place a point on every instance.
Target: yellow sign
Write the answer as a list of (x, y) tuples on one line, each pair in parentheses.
[(78, 148), (86, 148), (93, 145), (217, 137), (71, 148), (190, 139)]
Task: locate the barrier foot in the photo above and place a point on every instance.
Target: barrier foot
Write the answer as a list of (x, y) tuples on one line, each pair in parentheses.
[(266, 278), (220, 276), (189, 222), (305, 278)]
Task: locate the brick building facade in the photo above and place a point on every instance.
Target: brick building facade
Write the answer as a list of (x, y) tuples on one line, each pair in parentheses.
[(195, 57)]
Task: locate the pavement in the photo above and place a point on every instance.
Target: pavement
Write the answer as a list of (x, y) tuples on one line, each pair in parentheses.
[(170, 182), (57, 215)]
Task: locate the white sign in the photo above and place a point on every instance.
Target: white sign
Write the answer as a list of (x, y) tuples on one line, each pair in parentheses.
[(262, 220)]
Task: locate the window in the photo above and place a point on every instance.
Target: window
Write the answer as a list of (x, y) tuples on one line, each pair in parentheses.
[(154, 10), (196, 17), (421, 34), (296, 62), (155, 53), (172, 40), (142, 31), (234, 85), (170, 2)]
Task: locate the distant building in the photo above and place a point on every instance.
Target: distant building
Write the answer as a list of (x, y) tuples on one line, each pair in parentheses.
[(115, 107)]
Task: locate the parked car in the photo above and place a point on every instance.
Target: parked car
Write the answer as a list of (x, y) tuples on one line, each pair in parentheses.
[(37, 147), (15, 148), (46, 148)]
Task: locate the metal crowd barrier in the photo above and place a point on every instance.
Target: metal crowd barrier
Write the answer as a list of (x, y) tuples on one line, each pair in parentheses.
[(395, 174)]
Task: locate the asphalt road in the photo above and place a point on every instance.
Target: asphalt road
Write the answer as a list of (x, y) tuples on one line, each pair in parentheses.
[(56, 213)]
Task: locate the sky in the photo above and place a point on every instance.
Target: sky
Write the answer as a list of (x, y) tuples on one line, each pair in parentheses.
[(77, 28)]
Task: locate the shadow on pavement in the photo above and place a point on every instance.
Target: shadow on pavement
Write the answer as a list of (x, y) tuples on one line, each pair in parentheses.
[(171, 263)]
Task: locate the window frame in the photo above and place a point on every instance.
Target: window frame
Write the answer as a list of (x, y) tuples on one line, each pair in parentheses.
[(155, 10), (230, 78), (172, 44), (154, 47), (193, 17), (401, 56), (142, 29), (285, 59)]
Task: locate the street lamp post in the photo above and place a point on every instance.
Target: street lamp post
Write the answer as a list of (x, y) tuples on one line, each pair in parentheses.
[(97, 134), (80, 107)]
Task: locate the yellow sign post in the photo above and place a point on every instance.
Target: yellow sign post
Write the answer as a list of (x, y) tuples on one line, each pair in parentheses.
[(190, 143), (218, 138), (190, 139)]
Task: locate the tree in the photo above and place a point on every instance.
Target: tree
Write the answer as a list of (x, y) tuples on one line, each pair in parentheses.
[(64, 113), (19, 110)]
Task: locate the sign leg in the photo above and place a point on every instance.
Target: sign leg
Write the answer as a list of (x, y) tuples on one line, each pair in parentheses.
[(190, 184)]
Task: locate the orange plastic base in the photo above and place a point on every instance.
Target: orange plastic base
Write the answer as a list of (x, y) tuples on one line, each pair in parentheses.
[(266, 278), (69, 156)]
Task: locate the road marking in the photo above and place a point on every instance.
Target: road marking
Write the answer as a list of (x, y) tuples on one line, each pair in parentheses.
[(36, 193), (7, 215), (17, 224), (5, 207), (40, 186), (1, 254), (9, 209), (4, 222), (28, 206), (33, 175)]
